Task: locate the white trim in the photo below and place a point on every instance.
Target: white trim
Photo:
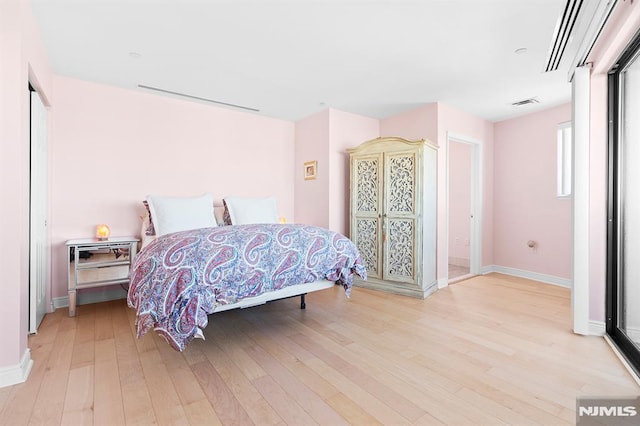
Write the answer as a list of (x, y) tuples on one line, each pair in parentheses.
[(536, 276), (443, 282), (38, 261), (597, 328), (18, 373), (487, 269), (564, 161), (475, 252), (87, 297), (591, 29), (581, 140), (461, 278)]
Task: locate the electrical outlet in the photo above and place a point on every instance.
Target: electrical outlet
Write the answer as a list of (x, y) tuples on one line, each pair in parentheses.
[(466, 242)]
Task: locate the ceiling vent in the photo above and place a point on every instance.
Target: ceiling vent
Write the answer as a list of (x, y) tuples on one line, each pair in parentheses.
[(526, 102), (197, 98), (562, 34)]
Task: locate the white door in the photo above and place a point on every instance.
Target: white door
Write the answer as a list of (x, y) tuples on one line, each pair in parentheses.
[(38, 212)]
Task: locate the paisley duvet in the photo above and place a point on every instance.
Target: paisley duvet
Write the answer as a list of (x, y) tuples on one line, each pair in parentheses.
[(180, 278)]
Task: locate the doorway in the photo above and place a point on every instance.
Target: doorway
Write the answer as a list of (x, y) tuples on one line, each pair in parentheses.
[(463, 211), (38, 212)]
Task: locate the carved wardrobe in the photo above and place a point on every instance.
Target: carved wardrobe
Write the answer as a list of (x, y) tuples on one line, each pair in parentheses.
[(393, 214)]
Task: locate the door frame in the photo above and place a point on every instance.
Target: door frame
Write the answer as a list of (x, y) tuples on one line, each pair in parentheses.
[(475, 246), (38, 210)]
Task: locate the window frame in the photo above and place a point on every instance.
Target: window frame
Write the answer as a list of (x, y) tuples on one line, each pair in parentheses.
[(615, 202), (564, 167)]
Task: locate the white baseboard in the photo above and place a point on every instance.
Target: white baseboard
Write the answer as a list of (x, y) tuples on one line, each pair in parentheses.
[(544, 278), (87, 296), (18, 373), (484, 270), (442, 283), (597, 328)]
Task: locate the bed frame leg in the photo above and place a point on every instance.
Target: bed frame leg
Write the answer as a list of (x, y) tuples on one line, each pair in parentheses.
[(303, 305)]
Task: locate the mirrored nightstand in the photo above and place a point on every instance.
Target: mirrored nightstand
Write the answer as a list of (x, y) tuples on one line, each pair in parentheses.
[(98, 263)]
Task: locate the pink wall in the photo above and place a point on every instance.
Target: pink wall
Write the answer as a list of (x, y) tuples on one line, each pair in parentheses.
[(325, 137), (452, 121), (145, 143), (23, 57), (112, 147), (618, 32), (435, 122), (312, 144), (422, 123), (347, 131), (419, 123), (459, 200), (526, 206)]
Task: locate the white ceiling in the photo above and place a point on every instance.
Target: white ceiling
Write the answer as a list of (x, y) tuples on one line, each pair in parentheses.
[(292, 58)]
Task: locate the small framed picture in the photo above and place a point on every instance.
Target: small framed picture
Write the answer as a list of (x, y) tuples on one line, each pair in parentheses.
[(310, 170)]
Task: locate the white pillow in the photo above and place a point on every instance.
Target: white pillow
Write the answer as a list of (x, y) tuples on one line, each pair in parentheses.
[(173, 214), (245, 211)]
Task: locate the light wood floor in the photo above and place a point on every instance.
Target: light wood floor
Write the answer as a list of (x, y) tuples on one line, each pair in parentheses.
[(489, 350)]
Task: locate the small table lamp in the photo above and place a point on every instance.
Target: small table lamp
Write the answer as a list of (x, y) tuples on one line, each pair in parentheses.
[(102, 232)]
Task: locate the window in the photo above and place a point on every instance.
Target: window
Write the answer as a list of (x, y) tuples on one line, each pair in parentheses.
[(623, 231), (564, 160)]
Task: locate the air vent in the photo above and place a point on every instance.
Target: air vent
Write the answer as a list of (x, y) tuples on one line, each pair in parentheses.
[(526, 102), (562, 34), (198, 98)]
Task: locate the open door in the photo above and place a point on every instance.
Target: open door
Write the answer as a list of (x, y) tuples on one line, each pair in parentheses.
[(38, 213)]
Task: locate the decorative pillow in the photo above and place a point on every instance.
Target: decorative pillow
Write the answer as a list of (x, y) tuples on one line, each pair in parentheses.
[(244, 211), (144, 223), (173, 214), (226, 218), (149, 229), (218, 213)]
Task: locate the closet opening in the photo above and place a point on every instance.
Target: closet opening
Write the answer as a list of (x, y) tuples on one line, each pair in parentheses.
[(463, 208)]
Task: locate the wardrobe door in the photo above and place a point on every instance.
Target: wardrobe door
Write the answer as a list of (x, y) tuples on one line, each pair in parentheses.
[(366, 208), (400, 216)]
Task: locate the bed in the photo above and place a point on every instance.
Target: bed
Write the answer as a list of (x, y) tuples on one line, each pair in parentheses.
[(179, 278)]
